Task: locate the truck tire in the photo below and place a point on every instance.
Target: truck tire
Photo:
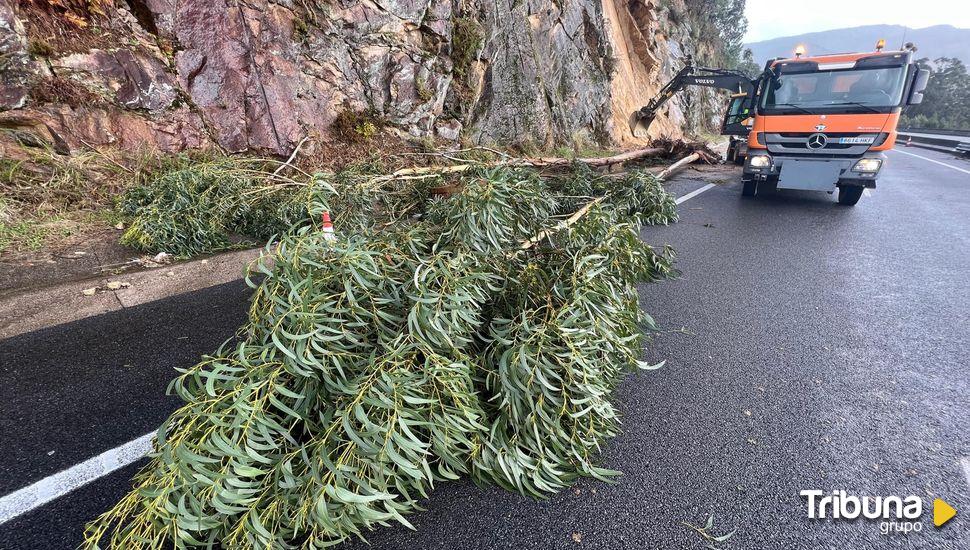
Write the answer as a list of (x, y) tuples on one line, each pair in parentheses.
[(850, 194), (749, 189), (737, 156), (732, 153)]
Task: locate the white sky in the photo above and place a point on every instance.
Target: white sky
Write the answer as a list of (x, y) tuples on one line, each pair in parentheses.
[(773, 18)]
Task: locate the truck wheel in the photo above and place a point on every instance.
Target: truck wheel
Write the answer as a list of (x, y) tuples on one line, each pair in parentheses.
[(732, 153), (850, 194), (738, 157), (750, 188)]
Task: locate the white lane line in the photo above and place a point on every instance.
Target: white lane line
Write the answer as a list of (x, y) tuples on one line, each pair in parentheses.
[(693, 194), (965, 462), (63, 482), (934, 161)]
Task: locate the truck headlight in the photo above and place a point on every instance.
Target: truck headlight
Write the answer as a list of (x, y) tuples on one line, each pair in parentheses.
[(868, 165), (760, 161)]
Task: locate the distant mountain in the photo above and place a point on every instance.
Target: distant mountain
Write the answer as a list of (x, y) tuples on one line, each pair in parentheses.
[(932, 42)]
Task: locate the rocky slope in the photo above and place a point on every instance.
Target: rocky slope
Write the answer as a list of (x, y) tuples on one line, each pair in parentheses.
[(262, 75)]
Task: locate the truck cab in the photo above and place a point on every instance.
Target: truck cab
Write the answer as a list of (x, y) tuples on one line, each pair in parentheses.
[(823, 123)]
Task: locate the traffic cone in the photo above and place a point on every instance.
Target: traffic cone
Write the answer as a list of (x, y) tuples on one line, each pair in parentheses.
[(327, 227)]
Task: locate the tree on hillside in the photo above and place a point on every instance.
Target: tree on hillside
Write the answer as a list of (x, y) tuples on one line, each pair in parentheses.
[(748, 65), (946, 102), (726, 19)]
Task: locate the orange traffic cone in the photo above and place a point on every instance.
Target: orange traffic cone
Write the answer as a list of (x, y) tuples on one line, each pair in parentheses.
[(327, 227)]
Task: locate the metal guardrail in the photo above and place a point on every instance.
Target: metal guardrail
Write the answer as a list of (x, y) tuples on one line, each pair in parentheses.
[(950, 141), (965, 133)]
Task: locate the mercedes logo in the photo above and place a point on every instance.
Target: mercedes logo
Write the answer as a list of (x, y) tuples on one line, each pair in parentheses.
[(817, 141)]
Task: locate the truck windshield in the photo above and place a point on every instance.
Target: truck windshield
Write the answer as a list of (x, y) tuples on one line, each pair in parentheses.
[(852, 90)]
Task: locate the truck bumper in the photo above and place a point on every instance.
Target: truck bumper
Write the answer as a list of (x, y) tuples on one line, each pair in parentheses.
[(814, 173)]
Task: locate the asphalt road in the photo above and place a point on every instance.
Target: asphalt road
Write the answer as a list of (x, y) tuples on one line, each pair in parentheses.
[(808, 346)]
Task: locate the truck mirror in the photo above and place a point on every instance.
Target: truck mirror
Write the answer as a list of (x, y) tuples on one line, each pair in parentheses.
[(919, 85)]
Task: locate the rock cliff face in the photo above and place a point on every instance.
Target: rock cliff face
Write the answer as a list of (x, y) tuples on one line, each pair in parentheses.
[(261, 75)]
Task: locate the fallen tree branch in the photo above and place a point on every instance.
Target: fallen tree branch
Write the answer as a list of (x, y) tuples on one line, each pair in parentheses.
[(678, 166), (628, 156), (673, 168), (561, 225), (292, 156), (542, 162)]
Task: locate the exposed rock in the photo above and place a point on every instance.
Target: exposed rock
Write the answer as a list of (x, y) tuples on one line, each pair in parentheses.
[(449, 130), (16, 66), (262, 75), (136, 81), (68, 129)]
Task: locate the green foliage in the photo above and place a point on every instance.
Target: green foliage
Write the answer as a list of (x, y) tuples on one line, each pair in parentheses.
[(45, 193), (21, 235), (467, 36), (356, 126), (642, 197), (946, 102), (228, 202), (722, 24), (199, 208), (402, 355), (471, 219), (748, 65)]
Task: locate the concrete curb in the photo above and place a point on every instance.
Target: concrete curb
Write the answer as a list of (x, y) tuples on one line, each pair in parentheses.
[(54, 305)]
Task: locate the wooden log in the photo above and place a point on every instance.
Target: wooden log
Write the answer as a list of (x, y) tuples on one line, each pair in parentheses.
[(542, 162), (678, 166), (627, 156)]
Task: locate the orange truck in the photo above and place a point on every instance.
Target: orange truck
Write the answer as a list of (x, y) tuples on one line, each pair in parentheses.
[(823, 122), (812, 123)]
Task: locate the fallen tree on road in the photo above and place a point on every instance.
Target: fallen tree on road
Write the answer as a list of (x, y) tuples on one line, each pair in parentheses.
[(482, 337), (222, 203)]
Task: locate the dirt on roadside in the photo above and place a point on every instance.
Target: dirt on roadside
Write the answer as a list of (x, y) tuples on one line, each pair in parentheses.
[(90, 253)]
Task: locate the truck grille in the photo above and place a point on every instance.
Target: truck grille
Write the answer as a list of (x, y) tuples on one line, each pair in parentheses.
[(797, 143)]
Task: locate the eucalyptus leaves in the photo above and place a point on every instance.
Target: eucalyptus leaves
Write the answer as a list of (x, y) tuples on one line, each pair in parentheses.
[(406, 354)]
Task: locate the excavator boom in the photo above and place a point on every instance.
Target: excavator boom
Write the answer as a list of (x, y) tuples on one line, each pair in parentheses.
[(690, 75)]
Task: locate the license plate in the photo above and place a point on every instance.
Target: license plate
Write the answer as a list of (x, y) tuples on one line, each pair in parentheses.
[(856, 140), (809, 175)]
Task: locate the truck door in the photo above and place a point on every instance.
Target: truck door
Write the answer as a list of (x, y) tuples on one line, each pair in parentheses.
[(738, 111)]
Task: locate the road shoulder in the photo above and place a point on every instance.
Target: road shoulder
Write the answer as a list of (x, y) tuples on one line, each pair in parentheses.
[(46, 307)]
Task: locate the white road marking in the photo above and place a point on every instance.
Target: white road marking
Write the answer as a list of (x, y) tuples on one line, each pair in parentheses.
[(63, 482), (934, 161), (965, 462), (693, 194)]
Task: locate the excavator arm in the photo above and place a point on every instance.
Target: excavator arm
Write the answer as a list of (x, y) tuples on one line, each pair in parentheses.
[(690, 75)]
